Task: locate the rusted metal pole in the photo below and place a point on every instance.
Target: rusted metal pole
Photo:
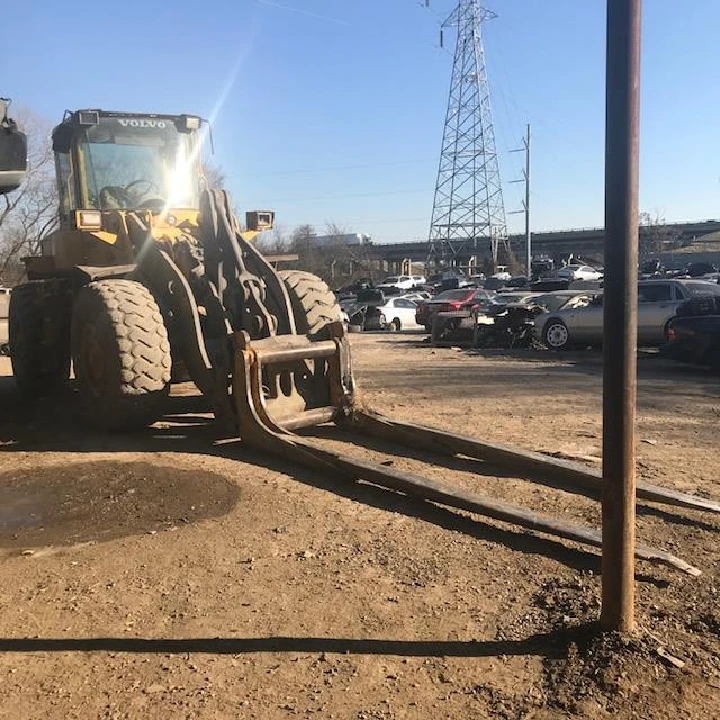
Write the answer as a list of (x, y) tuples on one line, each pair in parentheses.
[(620, 321)]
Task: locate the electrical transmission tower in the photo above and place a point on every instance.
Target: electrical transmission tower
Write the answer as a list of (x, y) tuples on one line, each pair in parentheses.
[(468, 210)]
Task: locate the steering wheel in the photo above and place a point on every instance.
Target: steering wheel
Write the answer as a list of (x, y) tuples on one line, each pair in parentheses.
[(150, 185), (155, 205)]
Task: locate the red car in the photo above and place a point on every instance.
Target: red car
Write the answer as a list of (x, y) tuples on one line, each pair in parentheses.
[(450, 301)]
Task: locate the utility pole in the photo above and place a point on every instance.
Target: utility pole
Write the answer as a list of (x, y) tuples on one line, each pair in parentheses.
[(526, 203), (528, 235), (622, 147)]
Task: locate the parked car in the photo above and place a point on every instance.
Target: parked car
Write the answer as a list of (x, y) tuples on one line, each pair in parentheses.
[(364, 316), (518, 282), (433, 283), (454, 279), (418, 281), (542, 268), (403, 282), (399, 313), (501, 273), (579, 272), (651, 268), (658, 301), (354, 288), (698, 269), (452, 300), (693, 335), (493, 284)]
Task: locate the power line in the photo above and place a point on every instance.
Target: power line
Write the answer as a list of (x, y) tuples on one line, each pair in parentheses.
[(340, 197), (346, 23), (309, 171), (300, 11)]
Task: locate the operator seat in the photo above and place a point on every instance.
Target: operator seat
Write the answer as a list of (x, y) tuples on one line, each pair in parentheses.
[(113, 198)]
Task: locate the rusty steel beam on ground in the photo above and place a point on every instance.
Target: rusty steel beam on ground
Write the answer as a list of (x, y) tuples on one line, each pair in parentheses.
[(620, 312), (307, 451), (532, 466)]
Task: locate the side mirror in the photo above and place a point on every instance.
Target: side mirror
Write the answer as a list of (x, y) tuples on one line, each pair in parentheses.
[(13, 157)]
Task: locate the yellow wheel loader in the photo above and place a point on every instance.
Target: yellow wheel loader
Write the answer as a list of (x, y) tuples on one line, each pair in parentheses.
[(150, 276)]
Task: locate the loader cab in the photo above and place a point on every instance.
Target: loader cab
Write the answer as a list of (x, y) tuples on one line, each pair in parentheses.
[(114, 161)]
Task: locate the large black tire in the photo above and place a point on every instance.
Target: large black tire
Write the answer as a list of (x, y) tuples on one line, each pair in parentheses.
[(121, 354), (39, 336), (314, 304)]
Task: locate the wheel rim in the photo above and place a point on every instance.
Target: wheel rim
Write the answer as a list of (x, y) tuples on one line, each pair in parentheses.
[(557, 335)]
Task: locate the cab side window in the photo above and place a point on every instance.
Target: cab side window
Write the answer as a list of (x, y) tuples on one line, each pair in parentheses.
[(67, 199)]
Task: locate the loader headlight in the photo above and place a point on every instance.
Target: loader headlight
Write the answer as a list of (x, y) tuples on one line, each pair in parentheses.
[(88, 219), (88, 117), (186, 123)]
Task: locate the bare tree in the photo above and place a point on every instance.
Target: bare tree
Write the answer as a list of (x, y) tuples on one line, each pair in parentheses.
[(215, 176), (302, 242), (31, 212), (655, 236), (274, 242), (334, 258)]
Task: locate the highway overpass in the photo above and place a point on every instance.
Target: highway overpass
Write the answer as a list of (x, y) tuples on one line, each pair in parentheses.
[(583, 242)]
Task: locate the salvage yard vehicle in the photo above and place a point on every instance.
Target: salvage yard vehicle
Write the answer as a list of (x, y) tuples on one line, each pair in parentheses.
[(399, 282), (512, 326), (700, 269), (658, 301), (579, 272), (363, 316), (693, 335), (451, 301), (399, 314)]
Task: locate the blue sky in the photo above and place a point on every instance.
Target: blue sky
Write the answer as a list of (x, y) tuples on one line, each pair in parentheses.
[(332, 110)]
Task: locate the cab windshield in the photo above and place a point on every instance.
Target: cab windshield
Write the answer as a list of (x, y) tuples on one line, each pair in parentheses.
[(135, 163)]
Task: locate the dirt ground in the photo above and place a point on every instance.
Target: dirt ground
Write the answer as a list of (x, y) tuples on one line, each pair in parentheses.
[(159, 575)]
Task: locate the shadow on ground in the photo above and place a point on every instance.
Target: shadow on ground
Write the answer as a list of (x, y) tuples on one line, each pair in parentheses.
[(552, 644)]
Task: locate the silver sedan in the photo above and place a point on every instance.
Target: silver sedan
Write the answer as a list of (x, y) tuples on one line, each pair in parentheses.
[(581, 320)]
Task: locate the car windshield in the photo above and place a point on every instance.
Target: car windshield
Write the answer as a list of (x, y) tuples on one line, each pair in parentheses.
[(699, 289), (388, 280), (128, 162)]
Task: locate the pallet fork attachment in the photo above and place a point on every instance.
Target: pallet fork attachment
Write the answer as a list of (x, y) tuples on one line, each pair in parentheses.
[(265, 424)]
